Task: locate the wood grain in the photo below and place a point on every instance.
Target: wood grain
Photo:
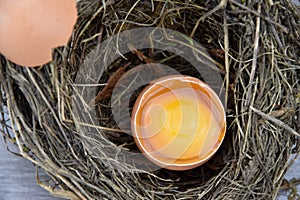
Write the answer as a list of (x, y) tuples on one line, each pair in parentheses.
[(17, 177)]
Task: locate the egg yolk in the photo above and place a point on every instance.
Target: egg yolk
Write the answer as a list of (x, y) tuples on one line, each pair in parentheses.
[(177, 125)]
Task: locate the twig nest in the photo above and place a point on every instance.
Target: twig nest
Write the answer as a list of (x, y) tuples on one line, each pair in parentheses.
[(178, 122), (31, 28)]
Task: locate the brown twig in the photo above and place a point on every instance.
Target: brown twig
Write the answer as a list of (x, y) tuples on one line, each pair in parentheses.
[(254, 61), (276, 121), (140, 54), (113, 79), (226, 46), (221, 5), (259, 15)]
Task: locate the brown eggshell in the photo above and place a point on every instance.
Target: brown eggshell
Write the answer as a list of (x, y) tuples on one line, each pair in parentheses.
[(29, 29)]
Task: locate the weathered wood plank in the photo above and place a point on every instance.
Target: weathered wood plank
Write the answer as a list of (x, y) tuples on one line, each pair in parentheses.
[(17, 178)]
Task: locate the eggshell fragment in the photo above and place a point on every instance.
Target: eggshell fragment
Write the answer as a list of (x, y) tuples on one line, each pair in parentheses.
[(178, 122), (29, 29)]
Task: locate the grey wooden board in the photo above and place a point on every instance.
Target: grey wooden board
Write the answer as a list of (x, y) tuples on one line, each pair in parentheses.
[(17, 178), (297, 2), (293, 172)]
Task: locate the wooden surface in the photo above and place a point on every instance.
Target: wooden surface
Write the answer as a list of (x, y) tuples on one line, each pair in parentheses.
[(17, 177)]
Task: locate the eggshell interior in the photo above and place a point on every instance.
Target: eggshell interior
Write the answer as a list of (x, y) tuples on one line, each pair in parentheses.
[(178, 122)]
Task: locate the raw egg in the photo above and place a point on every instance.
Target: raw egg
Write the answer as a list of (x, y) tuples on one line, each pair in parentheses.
[(29, 29), (178, 122)]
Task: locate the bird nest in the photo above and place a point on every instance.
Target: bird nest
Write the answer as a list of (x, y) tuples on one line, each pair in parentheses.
[(62, 116)]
